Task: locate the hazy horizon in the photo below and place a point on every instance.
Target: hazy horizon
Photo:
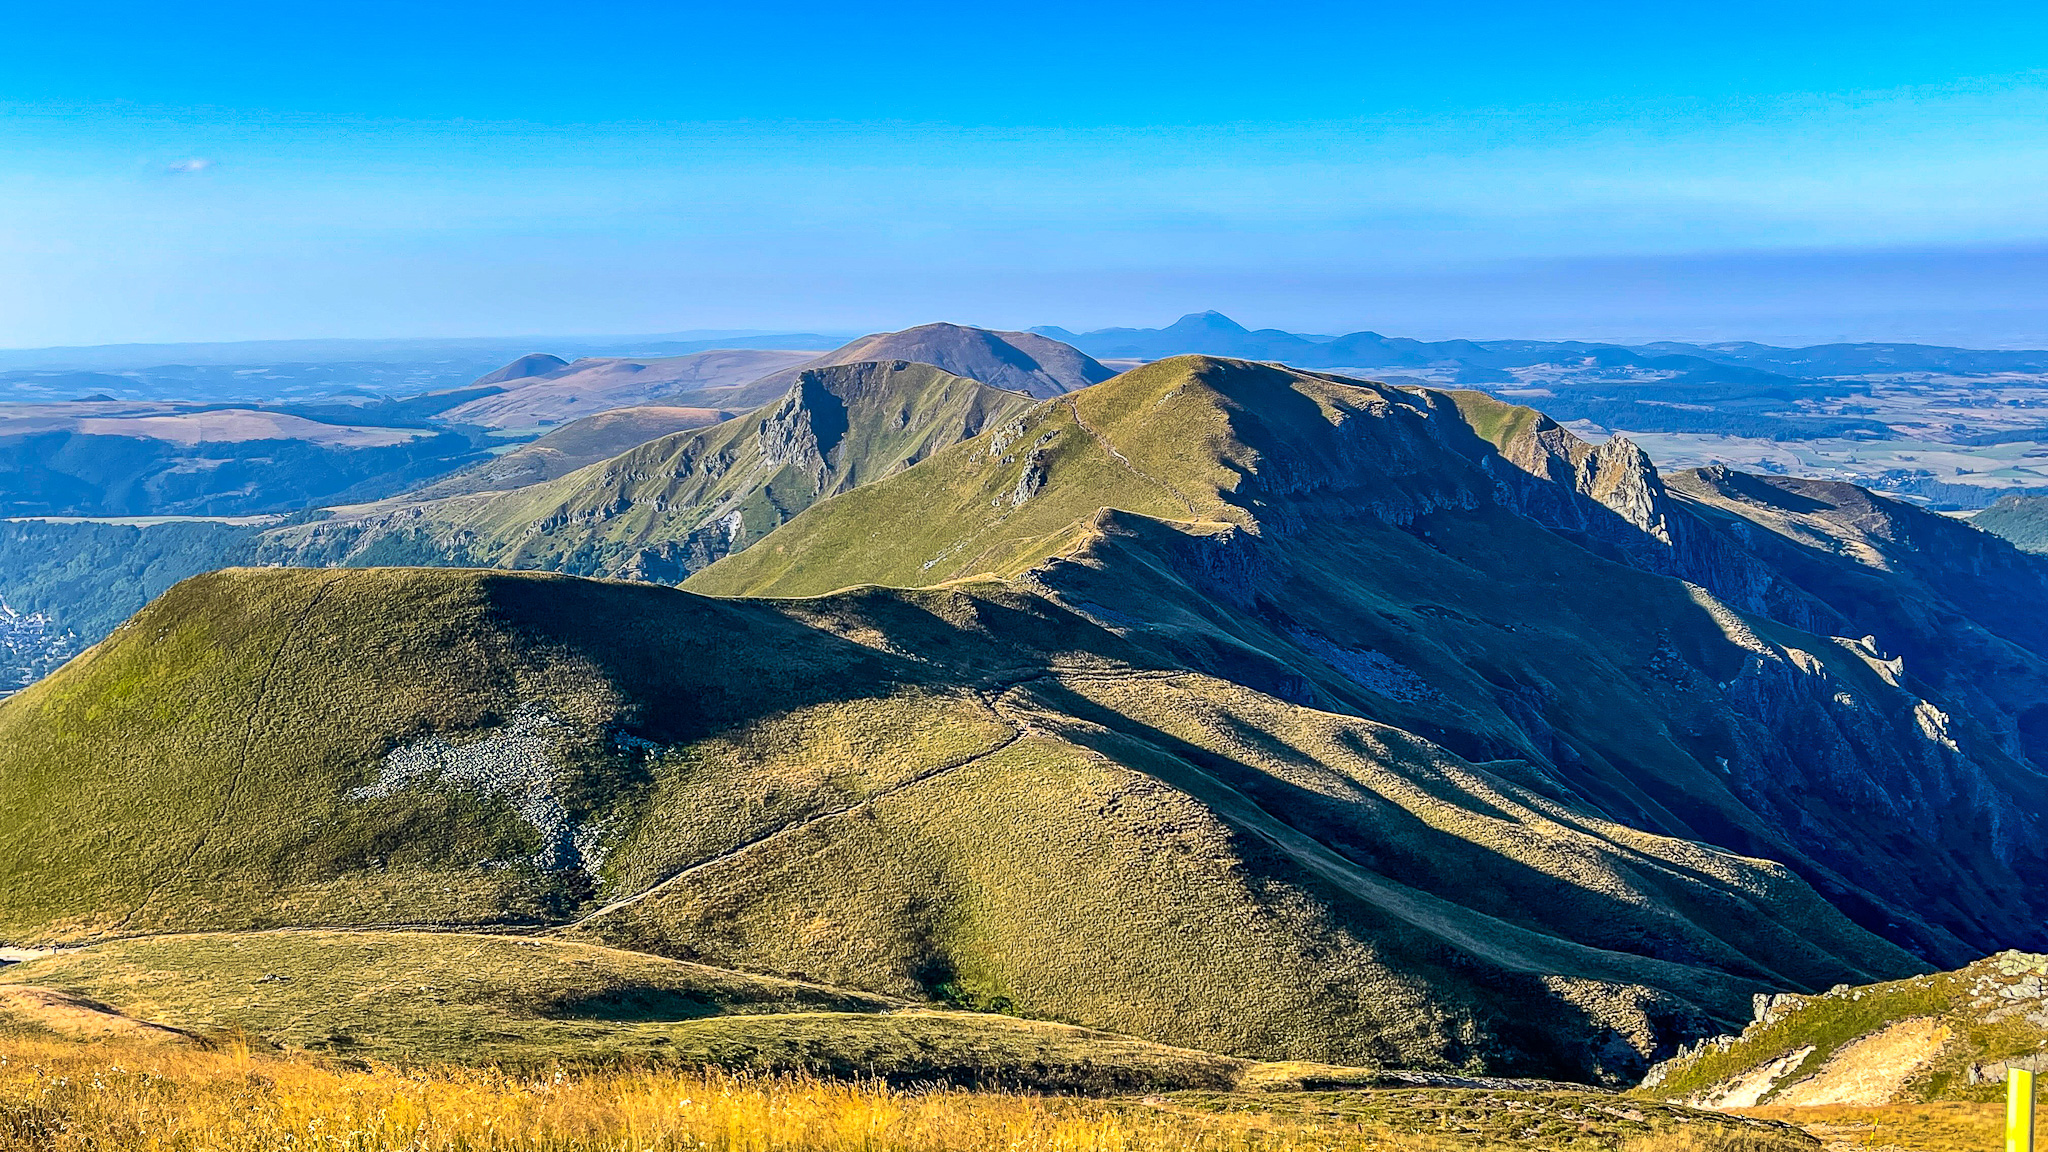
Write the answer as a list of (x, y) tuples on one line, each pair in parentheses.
[(1790, 174)]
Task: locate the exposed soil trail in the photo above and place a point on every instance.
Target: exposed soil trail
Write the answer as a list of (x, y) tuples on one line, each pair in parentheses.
[(1017, 732), (1140, 473)]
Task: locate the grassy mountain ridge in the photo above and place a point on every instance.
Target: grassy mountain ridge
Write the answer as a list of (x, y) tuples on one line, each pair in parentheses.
[(769, 785), (1160, 441), (678, 502), (1472, 572)]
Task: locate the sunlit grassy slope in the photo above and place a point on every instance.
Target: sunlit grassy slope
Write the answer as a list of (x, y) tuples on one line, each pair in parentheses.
[(1030, 814), (502, 1001), (676, 503), (1470, 571), (1181, 439)]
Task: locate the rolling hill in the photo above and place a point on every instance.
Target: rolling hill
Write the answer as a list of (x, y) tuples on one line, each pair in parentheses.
[(569, 447), (538, 1004), (676, 503), (557, 393), (533, 365), (2020, 519), (965, 796)]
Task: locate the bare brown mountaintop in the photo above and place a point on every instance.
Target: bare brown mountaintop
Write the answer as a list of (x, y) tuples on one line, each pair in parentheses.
[(1019, 361)]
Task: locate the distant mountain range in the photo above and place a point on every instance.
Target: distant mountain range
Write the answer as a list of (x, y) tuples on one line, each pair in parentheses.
[(1215, 334), (547, 390), (490, 349)]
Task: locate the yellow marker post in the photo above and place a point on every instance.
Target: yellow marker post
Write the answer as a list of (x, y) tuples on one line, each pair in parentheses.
[(2019, 1110)]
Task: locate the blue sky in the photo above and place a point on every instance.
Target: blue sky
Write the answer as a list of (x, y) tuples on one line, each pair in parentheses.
[(1786, 172)]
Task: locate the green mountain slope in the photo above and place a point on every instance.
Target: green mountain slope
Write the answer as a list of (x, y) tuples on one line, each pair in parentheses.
[(2020, 519), (677, 503), (1469, 571), (1220, 705), (966, 796), (507, 1001)]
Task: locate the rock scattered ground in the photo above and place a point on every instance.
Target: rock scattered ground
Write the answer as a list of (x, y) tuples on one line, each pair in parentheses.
[(1947, 1036)]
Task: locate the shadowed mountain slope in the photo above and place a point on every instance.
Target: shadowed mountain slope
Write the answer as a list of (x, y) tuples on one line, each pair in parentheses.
[(967, 795), (1961, 608), (2020, 519), (1018, 361), (1469, 571), (675, 504)]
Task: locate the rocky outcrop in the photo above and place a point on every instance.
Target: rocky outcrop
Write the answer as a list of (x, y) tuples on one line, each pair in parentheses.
[(804, 430)]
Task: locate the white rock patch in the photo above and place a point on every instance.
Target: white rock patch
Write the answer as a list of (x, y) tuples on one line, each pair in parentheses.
[(517, 763)]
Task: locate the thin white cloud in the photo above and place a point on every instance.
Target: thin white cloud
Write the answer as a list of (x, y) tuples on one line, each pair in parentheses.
[(190, 164)]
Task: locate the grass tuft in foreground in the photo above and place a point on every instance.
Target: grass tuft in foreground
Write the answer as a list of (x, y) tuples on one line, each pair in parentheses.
[(61, 1096)]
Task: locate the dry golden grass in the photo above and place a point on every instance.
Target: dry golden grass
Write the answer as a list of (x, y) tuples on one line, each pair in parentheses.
[(1948, 1126), (60, 1096)]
